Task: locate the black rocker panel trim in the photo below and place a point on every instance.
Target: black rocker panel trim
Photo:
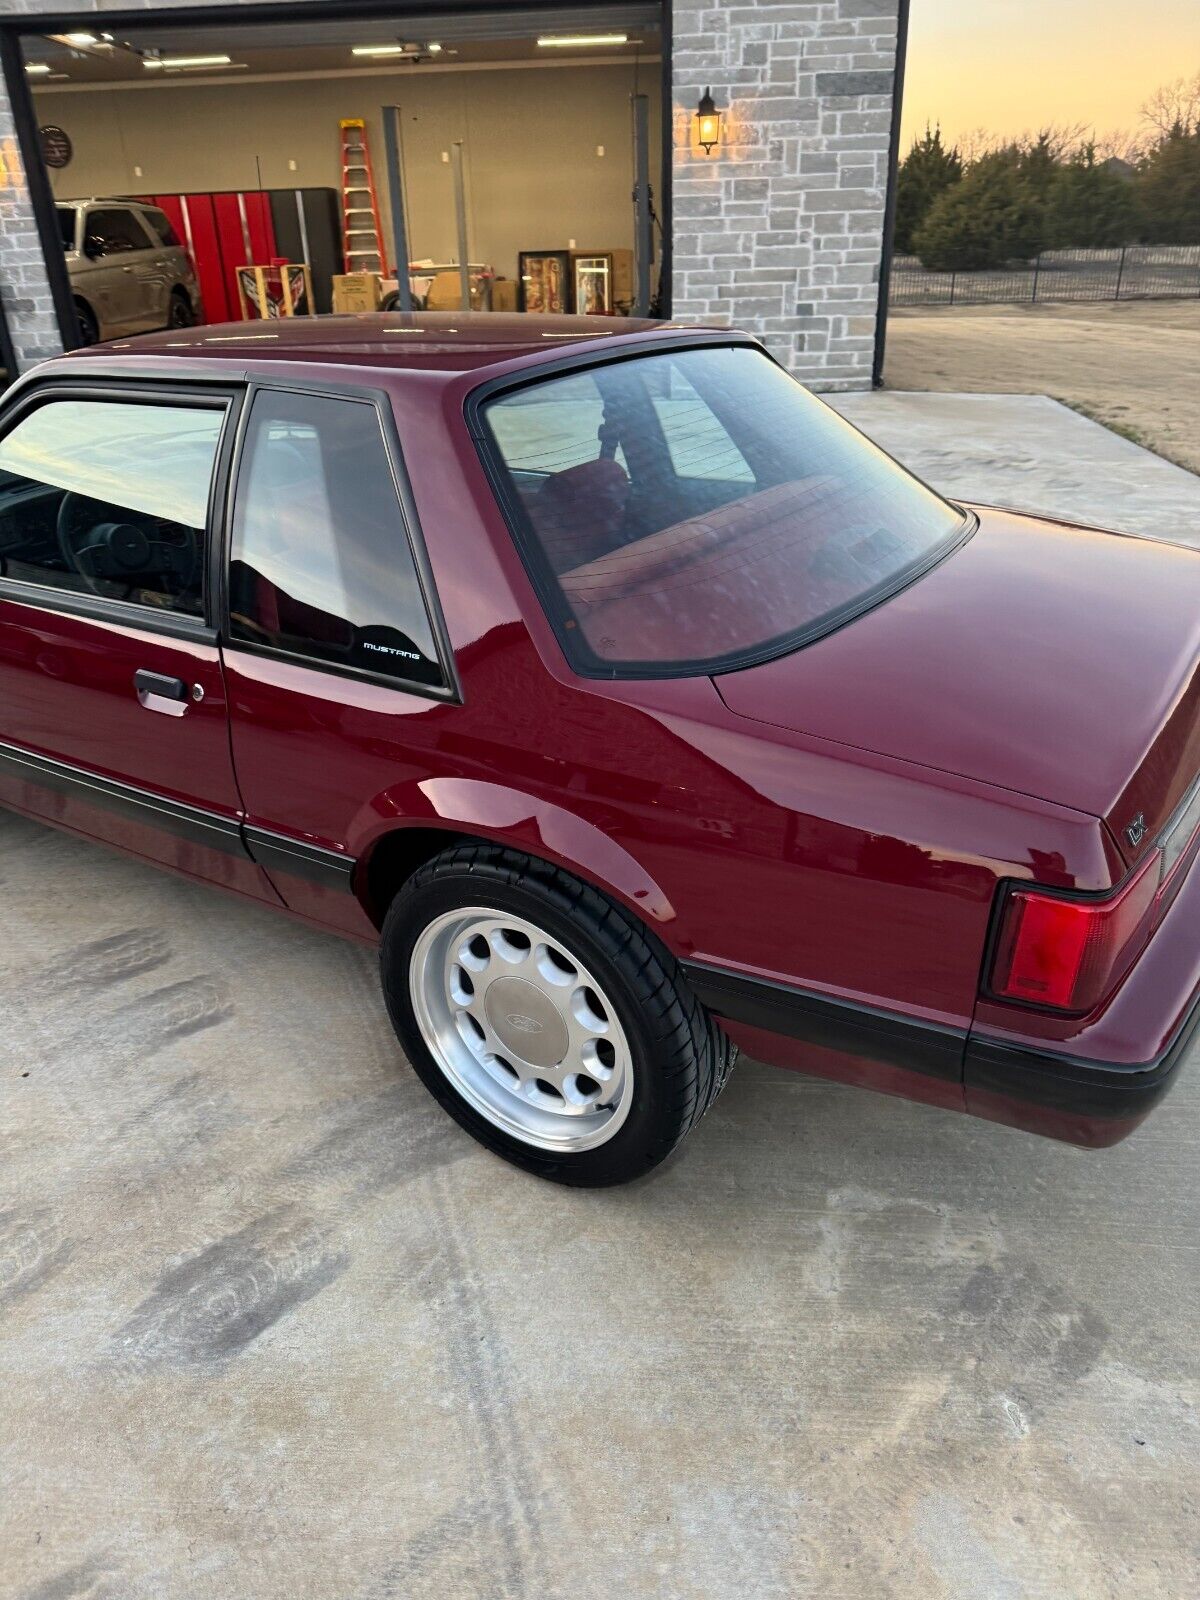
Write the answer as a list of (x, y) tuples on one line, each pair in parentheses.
[(272, 851), (142, 805), (817, 1019), (275, 852)]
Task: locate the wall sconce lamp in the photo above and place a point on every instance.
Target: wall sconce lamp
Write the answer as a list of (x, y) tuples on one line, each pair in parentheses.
[(708, 123)]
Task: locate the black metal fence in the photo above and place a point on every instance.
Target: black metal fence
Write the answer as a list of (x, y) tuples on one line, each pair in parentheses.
[(1131, 272)]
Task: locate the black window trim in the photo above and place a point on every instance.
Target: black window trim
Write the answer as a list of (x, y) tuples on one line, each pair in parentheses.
[(139, 390), (549, 594), (379, 400)]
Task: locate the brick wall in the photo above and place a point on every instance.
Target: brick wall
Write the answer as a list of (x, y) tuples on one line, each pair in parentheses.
[(779, 231)]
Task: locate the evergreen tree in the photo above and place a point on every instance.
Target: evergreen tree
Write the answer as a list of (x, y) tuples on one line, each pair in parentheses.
[(926, 172), (1087, 205), (1038, 164), (992, 216), (1167, 189)]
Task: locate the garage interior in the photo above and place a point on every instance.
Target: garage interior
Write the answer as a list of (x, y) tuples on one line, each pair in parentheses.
[(520, 130)]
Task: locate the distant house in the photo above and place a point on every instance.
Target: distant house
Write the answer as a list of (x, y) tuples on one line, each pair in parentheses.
[(1119, 167)]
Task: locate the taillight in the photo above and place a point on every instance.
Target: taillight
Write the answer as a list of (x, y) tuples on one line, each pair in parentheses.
[(1070, 953)]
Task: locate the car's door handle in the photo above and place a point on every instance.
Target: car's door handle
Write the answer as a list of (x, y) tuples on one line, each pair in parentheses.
[(157, 692)]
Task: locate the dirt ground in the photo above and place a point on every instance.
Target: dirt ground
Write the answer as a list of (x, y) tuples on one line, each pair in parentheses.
[(1133, 365)]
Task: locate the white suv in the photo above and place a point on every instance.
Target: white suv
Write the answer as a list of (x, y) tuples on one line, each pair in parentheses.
[(129, 273)]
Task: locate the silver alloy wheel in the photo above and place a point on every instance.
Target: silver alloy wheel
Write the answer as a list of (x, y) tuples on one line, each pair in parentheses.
[(522, 1029)]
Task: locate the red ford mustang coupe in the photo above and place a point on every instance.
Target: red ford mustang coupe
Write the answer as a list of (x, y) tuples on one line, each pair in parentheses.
[(632, 702)]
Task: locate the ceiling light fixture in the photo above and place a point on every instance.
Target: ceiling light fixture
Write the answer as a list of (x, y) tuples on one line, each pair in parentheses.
[(79, 38), (37, 69), (386, 49), (554, 41), (187, 61), (434, 49)]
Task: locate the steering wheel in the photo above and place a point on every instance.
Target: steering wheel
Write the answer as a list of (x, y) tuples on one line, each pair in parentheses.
[(102, 549)]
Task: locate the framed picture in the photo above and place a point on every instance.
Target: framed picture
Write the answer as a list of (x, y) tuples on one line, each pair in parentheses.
[(594, 285), (545, 279)]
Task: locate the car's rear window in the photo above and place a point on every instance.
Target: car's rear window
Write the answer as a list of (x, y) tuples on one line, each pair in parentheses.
[(695, 511)]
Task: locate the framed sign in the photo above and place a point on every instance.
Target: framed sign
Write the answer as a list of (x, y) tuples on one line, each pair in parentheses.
[(544, 280), (57, 148), (284, 289), (593, 285)]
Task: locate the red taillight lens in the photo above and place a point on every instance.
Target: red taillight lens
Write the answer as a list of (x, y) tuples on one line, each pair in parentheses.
[(1070, 954)]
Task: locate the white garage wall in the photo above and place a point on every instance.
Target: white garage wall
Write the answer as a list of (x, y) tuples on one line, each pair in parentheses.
[(534, 178)]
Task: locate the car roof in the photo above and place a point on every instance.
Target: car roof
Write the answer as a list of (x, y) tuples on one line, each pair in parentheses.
[(447, 341), (106, 200)]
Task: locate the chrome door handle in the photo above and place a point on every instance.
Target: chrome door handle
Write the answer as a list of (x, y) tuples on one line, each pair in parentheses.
[(158, 692)]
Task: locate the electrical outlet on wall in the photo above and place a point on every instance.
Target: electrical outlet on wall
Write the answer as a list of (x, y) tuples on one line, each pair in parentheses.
[(137, 172)]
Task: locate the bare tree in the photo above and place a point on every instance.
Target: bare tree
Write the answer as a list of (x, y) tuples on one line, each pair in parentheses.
[(1122, 145), (1174, 105)]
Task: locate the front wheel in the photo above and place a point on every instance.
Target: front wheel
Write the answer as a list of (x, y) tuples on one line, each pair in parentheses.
[(544, 1019), (89, 328)]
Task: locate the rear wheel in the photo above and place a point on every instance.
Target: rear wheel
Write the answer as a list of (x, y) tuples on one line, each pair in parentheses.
[(546, 1021), (179, 312)]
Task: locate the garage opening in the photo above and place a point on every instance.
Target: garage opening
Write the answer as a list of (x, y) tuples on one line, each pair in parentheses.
[(509, 161)]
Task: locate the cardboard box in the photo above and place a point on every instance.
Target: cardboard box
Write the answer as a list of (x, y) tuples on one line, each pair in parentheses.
[(356, 291), (504, 294), (445, 292)]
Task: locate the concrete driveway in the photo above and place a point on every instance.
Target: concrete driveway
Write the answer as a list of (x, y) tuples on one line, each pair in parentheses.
[(271, 1326)]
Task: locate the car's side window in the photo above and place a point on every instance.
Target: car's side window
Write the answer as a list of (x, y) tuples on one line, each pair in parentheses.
[(321, 564), (161, 225), (110, 498), (114, 233)]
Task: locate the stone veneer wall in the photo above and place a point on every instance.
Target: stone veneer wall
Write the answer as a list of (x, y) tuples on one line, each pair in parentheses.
[(781, 230)]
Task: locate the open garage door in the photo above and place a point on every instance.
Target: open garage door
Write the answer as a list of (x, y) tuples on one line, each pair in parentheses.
[(178, 157)]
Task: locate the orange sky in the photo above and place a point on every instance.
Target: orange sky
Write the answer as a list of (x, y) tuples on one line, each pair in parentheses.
[(1013, 65)]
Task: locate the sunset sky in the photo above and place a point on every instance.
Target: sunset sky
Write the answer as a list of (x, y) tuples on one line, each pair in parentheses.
[(1012, 65)]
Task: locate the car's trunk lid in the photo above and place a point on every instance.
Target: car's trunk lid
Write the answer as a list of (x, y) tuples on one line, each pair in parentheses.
[(1053, 660)]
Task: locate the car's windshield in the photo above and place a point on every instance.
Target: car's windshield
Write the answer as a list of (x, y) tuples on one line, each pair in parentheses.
[(693, 511), (66, 226)]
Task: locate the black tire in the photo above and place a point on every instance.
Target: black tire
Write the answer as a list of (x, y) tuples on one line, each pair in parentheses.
[(89, 328), (681, 1059), (180, 313)]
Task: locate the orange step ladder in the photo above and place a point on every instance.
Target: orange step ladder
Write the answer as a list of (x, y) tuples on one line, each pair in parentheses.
[(362, 227)]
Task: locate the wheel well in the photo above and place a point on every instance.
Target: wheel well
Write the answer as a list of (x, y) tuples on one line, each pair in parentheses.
[(394, 860)]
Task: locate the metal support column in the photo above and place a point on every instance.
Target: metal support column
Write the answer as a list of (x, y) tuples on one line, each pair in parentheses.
[(395, 177), (460, 213), (643, 224)]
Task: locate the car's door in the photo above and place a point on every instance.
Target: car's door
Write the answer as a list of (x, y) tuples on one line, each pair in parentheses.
[(115, 247), (113, 718), (334, 653), (153, 271)]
